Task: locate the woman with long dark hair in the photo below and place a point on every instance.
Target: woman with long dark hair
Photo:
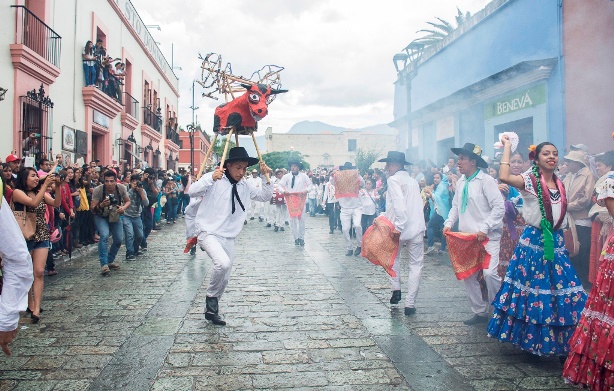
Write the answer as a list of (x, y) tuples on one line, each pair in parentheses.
[(89, 64), (30, 196), (8, 180), (541, 298)]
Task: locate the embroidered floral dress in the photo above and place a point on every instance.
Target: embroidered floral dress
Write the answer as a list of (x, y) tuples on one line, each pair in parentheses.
[(592, 345), (540, 300)]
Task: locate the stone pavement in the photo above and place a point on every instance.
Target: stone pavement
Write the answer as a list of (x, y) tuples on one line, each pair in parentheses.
[(298, 318)]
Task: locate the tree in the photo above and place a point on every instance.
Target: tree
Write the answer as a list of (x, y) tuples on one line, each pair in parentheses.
[(441, 29), (365, 158), (218, 148), (277, 160)]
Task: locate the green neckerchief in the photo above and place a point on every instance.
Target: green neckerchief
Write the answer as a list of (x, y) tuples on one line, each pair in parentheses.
[(466, 191)]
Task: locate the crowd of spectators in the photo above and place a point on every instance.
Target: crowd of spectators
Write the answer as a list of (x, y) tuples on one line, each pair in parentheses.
[(103, 71)]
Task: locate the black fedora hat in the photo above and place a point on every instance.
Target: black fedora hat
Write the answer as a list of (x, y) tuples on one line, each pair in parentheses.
[(473, 151), (347, 166), (395, 157), (299, 163), (239, 154)]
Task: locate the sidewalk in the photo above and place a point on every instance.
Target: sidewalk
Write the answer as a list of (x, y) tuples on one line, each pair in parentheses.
[(298, 318)]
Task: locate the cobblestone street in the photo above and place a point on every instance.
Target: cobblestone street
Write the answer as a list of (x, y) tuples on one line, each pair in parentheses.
[(298, 318)]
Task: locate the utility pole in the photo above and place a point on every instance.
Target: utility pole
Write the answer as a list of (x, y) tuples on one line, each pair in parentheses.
[(191, 130)]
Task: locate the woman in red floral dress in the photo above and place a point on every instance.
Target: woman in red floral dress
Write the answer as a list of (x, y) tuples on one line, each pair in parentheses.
[(591, 348)]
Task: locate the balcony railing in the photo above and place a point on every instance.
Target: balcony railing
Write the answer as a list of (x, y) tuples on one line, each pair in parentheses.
[(172, 135), (131, 105), (152, 120), (35, 34)]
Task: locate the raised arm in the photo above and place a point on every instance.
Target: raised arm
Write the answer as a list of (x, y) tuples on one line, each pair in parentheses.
[(504, 167)]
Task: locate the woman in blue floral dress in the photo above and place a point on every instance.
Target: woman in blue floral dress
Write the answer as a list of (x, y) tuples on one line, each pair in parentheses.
[(541, 298)]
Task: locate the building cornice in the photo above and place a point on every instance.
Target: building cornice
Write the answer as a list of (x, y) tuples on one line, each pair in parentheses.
[(99, 101), (171, 146), (126, 23), (150, 132), (31, 63), (129, 122)]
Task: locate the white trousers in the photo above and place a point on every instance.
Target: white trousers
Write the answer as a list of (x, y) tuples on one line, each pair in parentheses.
[(255, 209), (222, 253), (267, 212), (349, 216), (415, 251), (492, 279), (279, 215), (297, 225)]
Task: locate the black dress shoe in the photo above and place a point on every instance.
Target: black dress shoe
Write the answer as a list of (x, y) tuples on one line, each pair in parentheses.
[(251, 218), (296, 243), (281, 229), (301, 242), (268, 225), (357, 251), (409, 311), (396, 297), (211, 311), (331, 231), (349, 253), (276, 229), (476, 320)]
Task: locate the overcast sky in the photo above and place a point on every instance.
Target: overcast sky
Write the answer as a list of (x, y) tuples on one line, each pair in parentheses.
[(337, 54)]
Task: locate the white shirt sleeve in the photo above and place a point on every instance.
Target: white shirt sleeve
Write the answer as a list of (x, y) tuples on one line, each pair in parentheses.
[(17, 271), (199, 188)]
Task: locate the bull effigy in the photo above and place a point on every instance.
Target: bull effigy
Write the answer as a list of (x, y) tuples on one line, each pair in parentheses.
[(239, 115)]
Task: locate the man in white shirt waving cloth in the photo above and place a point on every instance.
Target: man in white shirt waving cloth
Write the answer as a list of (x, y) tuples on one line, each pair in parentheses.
[(16, 276), (351, 210), (220, 218), (296, 182), (478, 207), (404, 209)]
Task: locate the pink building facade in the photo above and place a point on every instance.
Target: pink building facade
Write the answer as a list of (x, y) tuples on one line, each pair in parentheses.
[(129, 119)]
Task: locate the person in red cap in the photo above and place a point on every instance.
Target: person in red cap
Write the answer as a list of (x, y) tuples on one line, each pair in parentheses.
[(14, 162)]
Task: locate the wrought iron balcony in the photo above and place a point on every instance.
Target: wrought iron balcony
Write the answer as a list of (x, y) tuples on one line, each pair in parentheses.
[(152, 120), (131, 105), (36, 35)]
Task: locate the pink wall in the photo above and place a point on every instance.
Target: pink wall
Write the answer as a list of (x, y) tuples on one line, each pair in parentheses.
[(588, 47)]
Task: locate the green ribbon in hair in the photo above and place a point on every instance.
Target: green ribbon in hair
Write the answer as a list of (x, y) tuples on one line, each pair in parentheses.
[(465, 199)]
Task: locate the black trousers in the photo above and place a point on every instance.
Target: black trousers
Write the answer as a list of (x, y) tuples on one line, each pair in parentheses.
[(581, 260)]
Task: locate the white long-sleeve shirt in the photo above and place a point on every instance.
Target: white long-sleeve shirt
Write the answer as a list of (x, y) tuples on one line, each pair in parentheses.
[(485, 207), (329, 193), (301, 183), (214, 214), (17, 270), (404, 207)]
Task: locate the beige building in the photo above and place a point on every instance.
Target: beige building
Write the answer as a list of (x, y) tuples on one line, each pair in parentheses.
[(333, 148), (49, 107)]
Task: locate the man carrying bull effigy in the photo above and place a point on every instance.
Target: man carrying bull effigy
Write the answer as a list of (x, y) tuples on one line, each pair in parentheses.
[(220, 218)]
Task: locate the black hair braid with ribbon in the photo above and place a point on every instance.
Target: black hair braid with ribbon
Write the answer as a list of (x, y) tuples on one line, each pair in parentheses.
[(546, 226)]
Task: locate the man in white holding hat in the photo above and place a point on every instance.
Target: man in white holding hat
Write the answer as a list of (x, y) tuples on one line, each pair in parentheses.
[(351, 214), (479, 209), (220, 218), (404, 209)]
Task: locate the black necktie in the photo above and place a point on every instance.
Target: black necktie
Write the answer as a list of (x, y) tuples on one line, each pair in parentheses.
[(234, 194), (293, 178)]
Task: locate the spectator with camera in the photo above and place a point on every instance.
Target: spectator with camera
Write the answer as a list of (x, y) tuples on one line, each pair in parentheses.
[(133, 224), (109, 201)]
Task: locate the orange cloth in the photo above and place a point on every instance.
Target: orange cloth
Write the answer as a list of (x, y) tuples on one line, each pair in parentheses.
[(191, 243), (378, 245), (347, 184), (466, 253), (296, 203)]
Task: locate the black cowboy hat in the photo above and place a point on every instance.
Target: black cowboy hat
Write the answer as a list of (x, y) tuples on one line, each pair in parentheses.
[(347, 166), (395, 157), (473, 151), (299, 163), (239, 154)]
